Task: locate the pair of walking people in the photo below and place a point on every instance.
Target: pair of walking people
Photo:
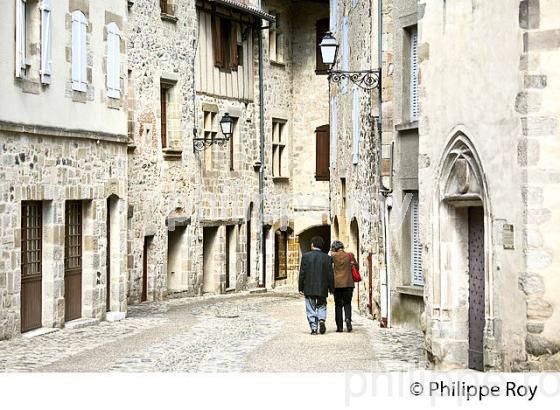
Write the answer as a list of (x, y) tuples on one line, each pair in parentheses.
[(321, 274)]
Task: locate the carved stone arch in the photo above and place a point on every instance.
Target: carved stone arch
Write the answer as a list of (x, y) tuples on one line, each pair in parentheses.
[(460, 187)]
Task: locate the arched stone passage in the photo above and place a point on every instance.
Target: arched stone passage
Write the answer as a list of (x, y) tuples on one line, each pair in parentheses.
[(324, 231), (354, 239), (462, 282)]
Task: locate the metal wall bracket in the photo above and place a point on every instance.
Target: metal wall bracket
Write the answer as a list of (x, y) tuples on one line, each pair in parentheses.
[(365, 79)]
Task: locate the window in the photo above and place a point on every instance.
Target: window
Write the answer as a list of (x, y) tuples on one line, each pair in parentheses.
[(164, 96), (167, 7), (210, 132), (281, 255), (321, 28), (130, 94), (46, 39), (415, 247), (276, 41), (31, 238), (233, 143), (413, 73), (113, 61), (333, 132), (278, 148), (343, 192), (322, 144), (79, 59), (225, 43), (356, 125)]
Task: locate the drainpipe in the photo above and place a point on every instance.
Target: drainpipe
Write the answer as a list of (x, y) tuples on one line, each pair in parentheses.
[(262, 278)]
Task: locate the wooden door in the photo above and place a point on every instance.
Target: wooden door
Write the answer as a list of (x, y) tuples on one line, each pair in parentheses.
[(73, 261), (108, 261), (476, 288), (322, 153), (31, 264), (144, 296)]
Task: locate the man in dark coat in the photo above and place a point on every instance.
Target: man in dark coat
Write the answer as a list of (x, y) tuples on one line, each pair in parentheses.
[(316, 280)]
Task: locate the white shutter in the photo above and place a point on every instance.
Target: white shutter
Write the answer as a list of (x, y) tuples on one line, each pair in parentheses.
[(355, 125), (345, 52), (113, 61), (416, 249), (334, 5), (46, 59), (414, 107), (79, 61), (20, 38), (333, 132)]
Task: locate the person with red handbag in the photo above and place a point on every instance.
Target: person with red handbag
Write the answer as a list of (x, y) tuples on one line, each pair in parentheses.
[(345, 274)]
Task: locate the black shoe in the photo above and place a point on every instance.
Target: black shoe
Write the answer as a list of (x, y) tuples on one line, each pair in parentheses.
[(322, 328), (313, 332), (339, 330), (348, 325)]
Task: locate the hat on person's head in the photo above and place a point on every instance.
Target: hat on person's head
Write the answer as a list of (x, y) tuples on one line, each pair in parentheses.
[(337, 245)]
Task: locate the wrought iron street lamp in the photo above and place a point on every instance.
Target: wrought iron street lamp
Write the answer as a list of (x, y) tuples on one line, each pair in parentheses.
[(366, 79), (226, 126)]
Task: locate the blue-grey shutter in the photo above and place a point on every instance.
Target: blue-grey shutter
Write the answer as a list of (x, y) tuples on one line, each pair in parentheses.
[(416, 249), (333, 22), (355, 125), (79, 59), (414, 103), (345, 51)]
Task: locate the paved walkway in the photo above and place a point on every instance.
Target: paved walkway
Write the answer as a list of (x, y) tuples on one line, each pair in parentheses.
[(232, 333)]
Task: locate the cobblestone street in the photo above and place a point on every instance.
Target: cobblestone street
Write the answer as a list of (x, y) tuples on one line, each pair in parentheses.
[(233, 333)]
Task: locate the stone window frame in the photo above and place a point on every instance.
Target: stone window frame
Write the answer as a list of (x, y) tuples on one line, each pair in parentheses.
[(209, 131), (168, 10), (279, 149), (28, 41), (172, 137), (111, 98), (276, 46), (234, 144), (408, 243), (409, 31)]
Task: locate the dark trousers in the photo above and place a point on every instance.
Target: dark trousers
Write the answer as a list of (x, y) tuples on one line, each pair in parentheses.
[(342, 299)]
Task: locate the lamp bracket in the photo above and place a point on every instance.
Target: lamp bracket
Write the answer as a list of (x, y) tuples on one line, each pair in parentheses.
[(365, 79)]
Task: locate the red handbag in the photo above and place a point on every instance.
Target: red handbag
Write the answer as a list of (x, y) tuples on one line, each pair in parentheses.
[(355, 271)]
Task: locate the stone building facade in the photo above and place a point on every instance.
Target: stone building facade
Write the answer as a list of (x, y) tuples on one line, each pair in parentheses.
[(63, 171), (195, 214), (462, 192), (487, 190)]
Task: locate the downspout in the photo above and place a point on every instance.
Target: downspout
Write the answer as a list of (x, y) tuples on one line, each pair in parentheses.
[(384, 191), (262, 279)]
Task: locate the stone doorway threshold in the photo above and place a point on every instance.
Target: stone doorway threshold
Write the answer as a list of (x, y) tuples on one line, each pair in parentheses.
[(39, 332)]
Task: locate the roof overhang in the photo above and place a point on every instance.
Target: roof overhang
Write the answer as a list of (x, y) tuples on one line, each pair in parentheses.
[(244, 8)]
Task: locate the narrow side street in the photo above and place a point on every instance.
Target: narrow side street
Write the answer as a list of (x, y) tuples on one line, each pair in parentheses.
[(238, 333)]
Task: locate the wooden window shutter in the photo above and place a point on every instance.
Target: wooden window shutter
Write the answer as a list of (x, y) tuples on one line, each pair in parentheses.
[(217, 45), (334, 136), (113, 61), (233, 47), (163, 101), (322, 149), (414, 103), (46, 39), (321, 28), (416, 249), (20, 38), (79, 60)]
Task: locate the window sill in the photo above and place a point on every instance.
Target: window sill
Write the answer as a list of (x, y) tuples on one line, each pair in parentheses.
[(280, 179), (170, 154), (322, 179), (407, 126), (281, 278), (411, 290), (277, 63), (169, 17)]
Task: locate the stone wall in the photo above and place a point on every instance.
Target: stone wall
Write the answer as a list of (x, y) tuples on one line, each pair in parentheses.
[(357, 213), (538, 149)]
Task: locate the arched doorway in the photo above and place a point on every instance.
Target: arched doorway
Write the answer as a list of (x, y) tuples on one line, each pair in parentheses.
[(354, 244), (336, 229), (305, 236), (461, 255)]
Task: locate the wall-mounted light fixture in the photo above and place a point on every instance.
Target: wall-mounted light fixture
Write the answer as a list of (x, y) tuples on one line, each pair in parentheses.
[(226, 126), (366, 79)]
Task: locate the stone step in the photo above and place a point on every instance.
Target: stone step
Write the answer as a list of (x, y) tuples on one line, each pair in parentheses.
[(39, 332)]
